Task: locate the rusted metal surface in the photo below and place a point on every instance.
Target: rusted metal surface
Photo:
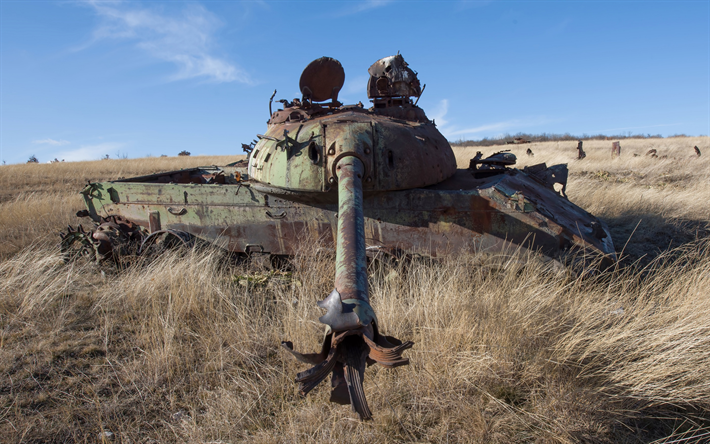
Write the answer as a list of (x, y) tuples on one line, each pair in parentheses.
[(550, 176), (322, 80), (344, 356), (351, 261), (303, 158), (392, 77), (154, 221), (158, 241), (580, 150), (112, 236), (615, 149), (498, 160)]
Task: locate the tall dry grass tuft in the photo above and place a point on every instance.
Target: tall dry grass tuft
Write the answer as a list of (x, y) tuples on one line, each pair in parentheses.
[(508, 348), (647, 335), (35, 279), (34, 217)]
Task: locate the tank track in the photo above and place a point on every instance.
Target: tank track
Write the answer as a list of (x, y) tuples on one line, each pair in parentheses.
[(110, 238)]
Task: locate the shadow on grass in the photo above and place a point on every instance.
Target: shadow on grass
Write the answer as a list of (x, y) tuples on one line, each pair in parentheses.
[(643, 237)]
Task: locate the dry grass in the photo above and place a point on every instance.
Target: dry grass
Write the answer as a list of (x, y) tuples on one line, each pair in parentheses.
[(507, 349), (177, 351)]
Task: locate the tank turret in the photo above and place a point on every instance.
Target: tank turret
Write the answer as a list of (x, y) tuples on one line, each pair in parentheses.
[(399, 147)]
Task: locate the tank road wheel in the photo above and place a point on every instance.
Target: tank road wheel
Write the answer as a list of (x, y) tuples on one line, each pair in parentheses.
[(78, 243), (113, 238), (161, 241), (120, 237)]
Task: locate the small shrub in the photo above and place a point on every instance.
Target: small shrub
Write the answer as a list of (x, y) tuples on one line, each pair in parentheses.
[(184, 153)]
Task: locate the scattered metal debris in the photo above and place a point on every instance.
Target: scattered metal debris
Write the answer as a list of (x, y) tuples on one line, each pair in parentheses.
[(492, 164), (554, 175), (580, 151), (615, 149)]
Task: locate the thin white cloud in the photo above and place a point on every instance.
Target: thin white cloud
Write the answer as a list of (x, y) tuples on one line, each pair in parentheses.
[(89, 152), (185, 39), (51, 142), (363, 6), (467, 4), (356, 85), (498, 126), (372, 4), (354, 89), (438, 115)]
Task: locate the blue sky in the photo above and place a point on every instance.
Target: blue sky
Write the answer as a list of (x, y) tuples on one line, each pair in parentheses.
[(81, 79)]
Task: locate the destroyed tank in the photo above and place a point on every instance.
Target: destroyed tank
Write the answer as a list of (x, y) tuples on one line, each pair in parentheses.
[(361, 181)]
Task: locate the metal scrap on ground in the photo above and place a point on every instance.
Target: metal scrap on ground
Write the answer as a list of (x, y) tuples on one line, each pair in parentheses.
[(615, 150)]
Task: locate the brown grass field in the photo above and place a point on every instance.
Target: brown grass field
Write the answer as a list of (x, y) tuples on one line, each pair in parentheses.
[(507, 348)]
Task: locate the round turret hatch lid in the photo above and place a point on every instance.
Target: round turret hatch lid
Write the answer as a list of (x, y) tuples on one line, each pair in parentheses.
[(322, 79)]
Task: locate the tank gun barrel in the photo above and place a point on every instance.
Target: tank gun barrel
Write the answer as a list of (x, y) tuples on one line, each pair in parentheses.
[(351, 259), (352, 339), (351, 267)]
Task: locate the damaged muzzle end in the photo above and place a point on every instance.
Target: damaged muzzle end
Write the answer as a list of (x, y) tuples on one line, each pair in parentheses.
[(351, 343)]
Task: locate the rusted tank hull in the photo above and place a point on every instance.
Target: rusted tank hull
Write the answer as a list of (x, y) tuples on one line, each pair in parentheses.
[(462, 213)]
